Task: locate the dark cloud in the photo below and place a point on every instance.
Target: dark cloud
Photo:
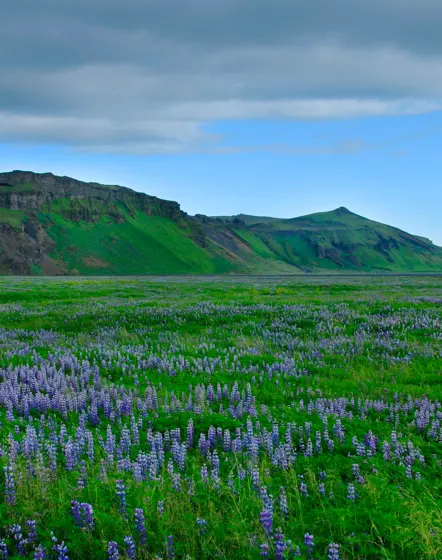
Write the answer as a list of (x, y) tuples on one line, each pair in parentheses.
[(150, 74)]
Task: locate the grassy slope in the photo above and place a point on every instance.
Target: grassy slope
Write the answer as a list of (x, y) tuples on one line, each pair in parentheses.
[(12, 217), (354, 238), (141, 244)]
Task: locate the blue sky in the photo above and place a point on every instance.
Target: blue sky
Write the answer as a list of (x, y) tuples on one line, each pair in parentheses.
[(264, 107), (385, 168)]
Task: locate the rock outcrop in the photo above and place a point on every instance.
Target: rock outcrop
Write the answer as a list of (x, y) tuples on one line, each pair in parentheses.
[(27, 191)]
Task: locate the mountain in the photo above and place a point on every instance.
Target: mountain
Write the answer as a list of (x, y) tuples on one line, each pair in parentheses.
[(342, 240), (57, 225)]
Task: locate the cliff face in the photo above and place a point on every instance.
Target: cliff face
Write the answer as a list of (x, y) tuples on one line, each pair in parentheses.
[(27, 191)]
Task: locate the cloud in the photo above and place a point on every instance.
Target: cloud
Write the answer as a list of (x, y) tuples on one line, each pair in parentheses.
[(148, 76)]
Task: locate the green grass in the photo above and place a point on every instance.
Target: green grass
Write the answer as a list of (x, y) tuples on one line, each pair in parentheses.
[(139, 245), (19, 188), (304, 356), (12, 217)]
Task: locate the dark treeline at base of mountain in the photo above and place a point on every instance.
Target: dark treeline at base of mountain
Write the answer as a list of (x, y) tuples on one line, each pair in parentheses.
[(57, 225)]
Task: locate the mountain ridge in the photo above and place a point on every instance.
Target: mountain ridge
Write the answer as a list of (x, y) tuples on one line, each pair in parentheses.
[(59, 225)]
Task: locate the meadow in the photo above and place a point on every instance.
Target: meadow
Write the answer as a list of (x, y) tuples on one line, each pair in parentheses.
[(286, 418)]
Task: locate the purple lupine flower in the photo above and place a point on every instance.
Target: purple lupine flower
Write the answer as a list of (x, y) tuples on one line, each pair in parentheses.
[(140, 526), (130, 547), (279, 544), (309, 542), (3, 550), (283, 504), (76, 513), (333, 551), (40, 553), (266, 518), (204, 473), (31, 524), (190, 433), (61, 550), (10, 496), (112, 551), (17, 535), (264, 550), (351, 492), (303, 489), (121, 494), (88, 515), (202, 525), (170, 548), (160, 507)]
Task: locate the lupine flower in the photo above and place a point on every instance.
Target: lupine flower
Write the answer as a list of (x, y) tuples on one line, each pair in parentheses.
[(283, 504), (303, 489), (40, 553), (279, 544), (76, 512), (17, 535), (140, 526), (32, 530), (10, 495), (61, 551), (112, 551), (202, 525), (333, 551), (130, 547), (309, 542), (3, 550), (170, 548), (121, 494), (266, 518), (264, 550), (351, 492)]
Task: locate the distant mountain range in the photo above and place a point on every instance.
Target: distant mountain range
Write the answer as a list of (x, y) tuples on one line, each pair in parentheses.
[(53, 225)]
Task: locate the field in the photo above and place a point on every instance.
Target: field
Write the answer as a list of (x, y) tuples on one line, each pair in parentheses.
[(272, 418)]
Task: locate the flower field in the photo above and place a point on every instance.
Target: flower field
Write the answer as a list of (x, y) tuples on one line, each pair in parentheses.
[(186, 420)]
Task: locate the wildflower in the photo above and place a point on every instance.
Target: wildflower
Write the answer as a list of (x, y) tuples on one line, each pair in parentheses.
[(121, 494), (279, 545), (32, 530), (130, 547), (333, 551), (309, 542), (140, 525), (202, 525), (266, 518), (283, 504), (264, 550), (351, 492), (170, 549), (61, 551), (40, 553), (10, 495), (303, 489), (17, 535), (112, 551)]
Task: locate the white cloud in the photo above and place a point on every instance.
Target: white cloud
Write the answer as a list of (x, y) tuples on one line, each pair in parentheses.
[(137, 80)]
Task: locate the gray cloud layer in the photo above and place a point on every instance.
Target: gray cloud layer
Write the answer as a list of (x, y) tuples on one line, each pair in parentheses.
[(147, 76)]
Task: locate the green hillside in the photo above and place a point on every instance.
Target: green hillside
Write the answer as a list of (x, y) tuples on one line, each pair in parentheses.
[(341, 240), (58, 225)]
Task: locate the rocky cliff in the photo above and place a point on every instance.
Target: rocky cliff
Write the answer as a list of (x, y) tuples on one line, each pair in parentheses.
[(27, 191)]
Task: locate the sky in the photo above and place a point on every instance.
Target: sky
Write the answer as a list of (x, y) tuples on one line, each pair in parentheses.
[(265, 107)]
